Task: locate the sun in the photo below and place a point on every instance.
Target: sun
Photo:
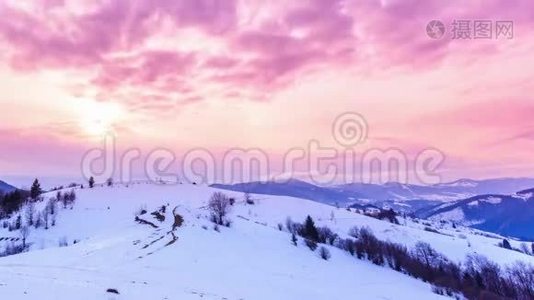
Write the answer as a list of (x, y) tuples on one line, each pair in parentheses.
[(99, 118), (97, 127)]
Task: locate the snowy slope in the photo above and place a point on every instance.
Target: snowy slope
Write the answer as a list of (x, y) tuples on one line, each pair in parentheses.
[(247, 261), (250, 260), (511, 215)]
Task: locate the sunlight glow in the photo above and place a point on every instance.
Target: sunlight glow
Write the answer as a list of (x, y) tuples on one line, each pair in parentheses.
[(99, 118)]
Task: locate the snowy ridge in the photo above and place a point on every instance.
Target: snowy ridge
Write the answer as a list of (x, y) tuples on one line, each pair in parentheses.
[(6, 188), (509, 215)]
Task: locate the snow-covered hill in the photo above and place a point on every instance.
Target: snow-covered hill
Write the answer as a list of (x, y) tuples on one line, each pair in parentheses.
[(511, 215), (5, 188), (252, 259)]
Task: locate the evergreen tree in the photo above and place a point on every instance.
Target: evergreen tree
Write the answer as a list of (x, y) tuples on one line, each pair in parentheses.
[(91, 182), (310, 231), (35, 190), (506, 244)]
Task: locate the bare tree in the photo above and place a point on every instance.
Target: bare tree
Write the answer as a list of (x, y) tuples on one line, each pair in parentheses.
[(326, 235), (522, 275), (24, 233), (52, 206), (427, 254), (219, 206), (65, 198), (46, 215), (30, 210), (68, 199), (38, 220), (290, 225), (54, 217), (489, 272), (354, 232)]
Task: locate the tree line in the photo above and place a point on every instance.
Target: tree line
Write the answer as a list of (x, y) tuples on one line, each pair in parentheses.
[(476, 278), (21, 205)]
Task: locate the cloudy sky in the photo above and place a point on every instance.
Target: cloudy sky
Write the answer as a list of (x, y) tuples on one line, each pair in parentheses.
[(182, 74)]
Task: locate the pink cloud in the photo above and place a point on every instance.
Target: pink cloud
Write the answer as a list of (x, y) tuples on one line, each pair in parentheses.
[(49, 36), (144, 69), (220, 62), (258, 57), (302, 37), (44, 38)]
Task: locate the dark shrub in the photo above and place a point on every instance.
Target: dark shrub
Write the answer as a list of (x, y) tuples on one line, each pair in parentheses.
[(310, 244), (324, 253)]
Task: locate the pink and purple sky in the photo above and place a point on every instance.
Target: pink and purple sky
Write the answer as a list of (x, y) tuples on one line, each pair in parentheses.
[(182, 74)]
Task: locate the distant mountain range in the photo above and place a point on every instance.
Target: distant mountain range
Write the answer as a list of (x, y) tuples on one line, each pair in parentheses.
[(401, 197), (490, 205), (510, 215), (459, 189), (6, 188), (295, 188)]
